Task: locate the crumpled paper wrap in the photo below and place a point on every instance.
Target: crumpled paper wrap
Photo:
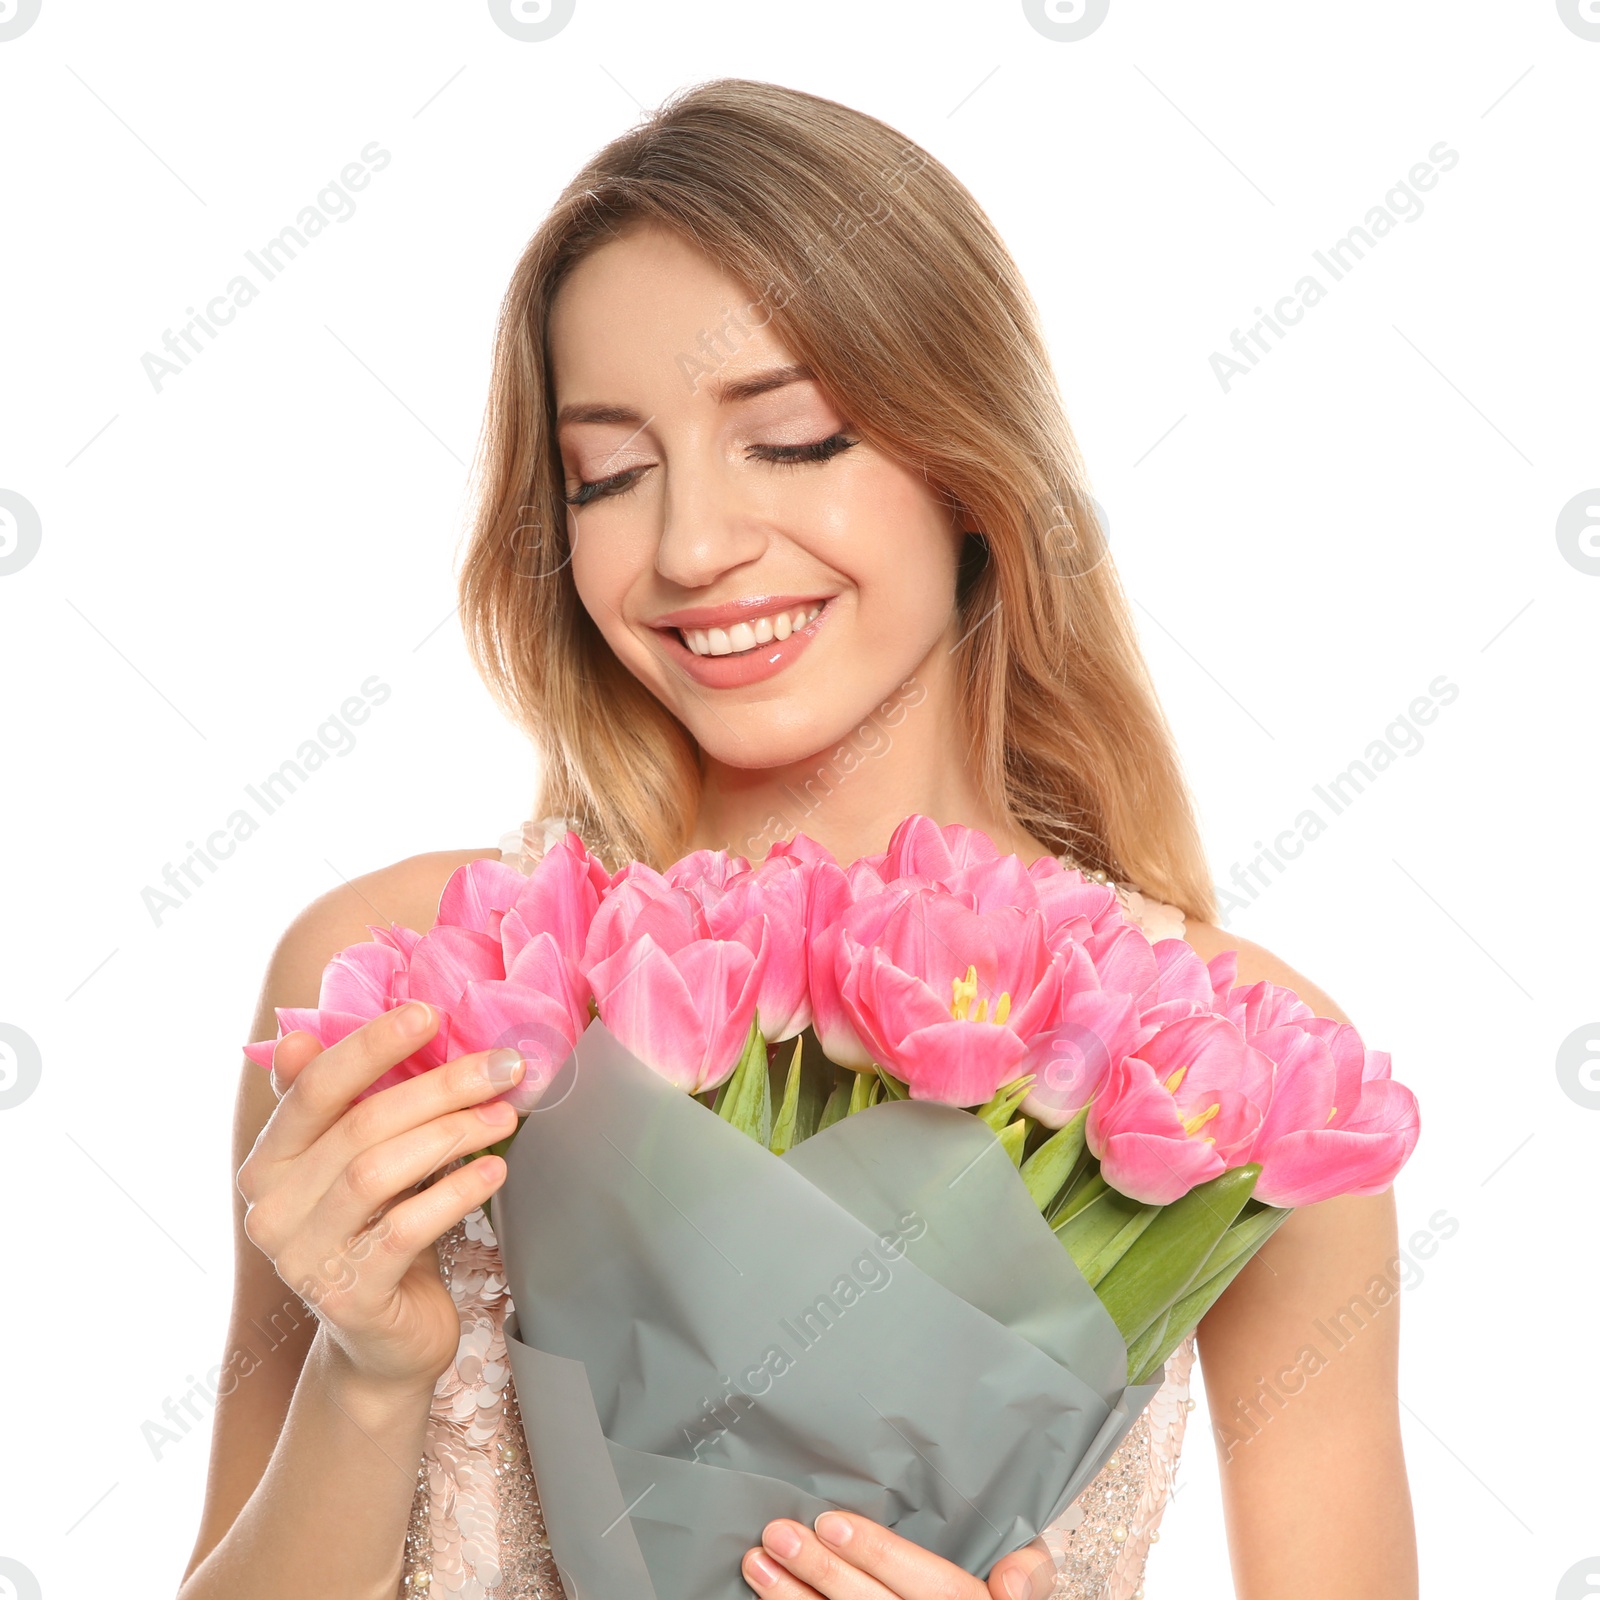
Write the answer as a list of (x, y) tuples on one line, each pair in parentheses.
[(707, 1336)]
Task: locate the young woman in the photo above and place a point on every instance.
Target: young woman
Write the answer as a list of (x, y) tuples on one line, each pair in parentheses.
[(782, 529)]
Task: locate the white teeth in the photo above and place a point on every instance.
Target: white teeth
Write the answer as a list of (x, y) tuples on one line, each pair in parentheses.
[(743, 636)]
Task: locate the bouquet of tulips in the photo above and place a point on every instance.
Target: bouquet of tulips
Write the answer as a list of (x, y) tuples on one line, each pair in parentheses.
[(936, 1067)]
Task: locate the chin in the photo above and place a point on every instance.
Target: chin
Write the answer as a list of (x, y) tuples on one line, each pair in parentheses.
[(761, 745)]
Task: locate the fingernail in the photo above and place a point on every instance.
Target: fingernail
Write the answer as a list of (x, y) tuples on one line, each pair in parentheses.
[(414, 1016), (781, 1539), (1014, 1584), (503, 1067), (762, 1572), (834, 1528)]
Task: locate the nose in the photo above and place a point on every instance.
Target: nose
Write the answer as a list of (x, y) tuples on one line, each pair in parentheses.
[(708, 524)]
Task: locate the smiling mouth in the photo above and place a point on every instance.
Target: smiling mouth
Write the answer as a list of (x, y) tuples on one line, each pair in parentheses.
[(742, 637)]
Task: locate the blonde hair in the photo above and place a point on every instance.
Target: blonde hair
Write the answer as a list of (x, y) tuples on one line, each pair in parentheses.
[(878, 270)]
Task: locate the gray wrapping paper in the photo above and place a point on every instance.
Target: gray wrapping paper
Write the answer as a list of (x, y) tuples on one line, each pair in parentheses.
[(707, 1336)]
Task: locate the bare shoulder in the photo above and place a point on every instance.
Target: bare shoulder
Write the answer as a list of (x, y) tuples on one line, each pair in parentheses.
[(1257, 964), (405, 892)]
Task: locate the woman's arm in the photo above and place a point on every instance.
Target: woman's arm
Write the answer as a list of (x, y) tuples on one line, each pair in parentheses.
[(1300, 1357), (313, 1465)]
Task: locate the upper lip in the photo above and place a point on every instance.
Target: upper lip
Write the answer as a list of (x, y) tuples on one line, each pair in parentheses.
[(731, 611)]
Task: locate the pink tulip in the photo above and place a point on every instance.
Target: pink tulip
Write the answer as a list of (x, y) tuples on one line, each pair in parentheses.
[(493, 979), (676, 995), (778, 889), (1183, 1109), (952, 1000), (1337, 1123), (836, 894), (920, 848)]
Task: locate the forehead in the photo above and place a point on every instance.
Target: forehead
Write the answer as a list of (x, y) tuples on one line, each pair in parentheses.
[(648, 309)]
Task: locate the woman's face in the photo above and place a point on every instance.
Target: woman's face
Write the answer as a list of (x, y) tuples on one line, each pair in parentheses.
[(769, 575)]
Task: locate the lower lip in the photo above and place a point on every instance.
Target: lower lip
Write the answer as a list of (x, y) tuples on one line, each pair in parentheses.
[(749, 666)]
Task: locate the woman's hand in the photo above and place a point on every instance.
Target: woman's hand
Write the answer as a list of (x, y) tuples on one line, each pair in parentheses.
[(852, 1558), (331, 1189)]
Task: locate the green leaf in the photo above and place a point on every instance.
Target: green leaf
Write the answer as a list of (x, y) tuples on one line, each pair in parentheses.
[(1116, 1247), (892, 1086), (1147, 1355), (1046, 1170), (1168, 1257), (1094, 1224), (864, 1092), (746, 1098), (1142, 1352), (1012, 1137), (1079, 1197), (838, 1106), (997, 1112), (783, 1130)]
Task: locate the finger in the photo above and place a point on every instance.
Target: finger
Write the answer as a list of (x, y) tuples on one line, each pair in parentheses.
[(469, 1080), (369, 1266), (325, 1086), (290, 1056), (1025, 1574), (824, 1568), (891, 1562), (772, 1581), (376, 1176)]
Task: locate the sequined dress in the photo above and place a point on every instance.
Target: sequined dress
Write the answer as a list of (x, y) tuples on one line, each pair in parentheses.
[(476, 1533)]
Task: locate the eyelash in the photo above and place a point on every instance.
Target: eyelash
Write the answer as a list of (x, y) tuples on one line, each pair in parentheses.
[(777, 455)]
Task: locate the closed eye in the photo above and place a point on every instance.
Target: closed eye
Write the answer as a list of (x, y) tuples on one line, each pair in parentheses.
[(775, 454)]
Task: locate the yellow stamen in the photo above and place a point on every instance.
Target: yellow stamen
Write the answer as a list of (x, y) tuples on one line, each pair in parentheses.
[(1192, 1125), (1175, 1080), (965, 990)]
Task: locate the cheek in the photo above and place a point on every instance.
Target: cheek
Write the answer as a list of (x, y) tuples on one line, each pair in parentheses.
[(893, 541), (604, 568)]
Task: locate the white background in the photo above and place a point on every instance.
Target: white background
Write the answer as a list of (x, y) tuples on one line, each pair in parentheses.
[(224, 562)]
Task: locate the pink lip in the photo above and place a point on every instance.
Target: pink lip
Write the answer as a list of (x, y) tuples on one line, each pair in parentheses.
[(749, 666), (730, 611)]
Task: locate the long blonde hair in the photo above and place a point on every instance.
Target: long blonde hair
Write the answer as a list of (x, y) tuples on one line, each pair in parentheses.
[(878, 270)]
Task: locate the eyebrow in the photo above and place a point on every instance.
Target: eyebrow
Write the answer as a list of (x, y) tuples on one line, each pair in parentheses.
[(725, 392)]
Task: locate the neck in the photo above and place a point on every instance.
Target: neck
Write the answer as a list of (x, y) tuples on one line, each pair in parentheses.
[(852, 796)]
